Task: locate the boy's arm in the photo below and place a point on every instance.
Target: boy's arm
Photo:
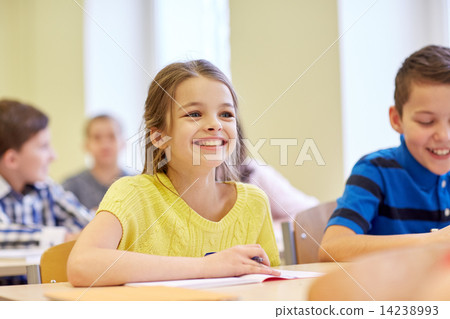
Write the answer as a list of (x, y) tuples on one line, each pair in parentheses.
[(66, 211), (345, 236), (18, 236), (69, 212), (389, 275), (340, 243)]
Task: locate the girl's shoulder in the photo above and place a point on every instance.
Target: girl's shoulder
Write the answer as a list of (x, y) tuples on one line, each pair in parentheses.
[(136, 184), (129, 190), (136, 180)]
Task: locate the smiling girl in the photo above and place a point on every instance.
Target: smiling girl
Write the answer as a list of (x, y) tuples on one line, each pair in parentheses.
[(160, 225)]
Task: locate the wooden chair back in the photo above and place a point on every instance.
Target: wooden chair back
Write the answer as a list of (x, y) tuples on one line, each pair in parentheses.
[(309, 228), (54, 263), (303, 236)]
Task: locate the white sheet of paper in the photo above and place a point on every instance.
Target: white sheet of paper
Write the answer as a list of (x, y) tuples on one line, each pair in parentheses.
[(51, 236), (227, 281)]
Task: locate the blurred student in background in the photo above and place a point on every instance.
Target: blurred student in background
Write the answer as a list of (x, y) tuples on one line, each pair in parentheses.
[(29, 200), (104, 141), (285, 200)]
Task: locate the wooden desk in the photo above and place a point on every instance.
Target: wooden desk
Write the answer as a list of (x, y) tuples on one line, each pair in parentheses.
[(19, 268), (13, 267), (296, 289), (17, 262)]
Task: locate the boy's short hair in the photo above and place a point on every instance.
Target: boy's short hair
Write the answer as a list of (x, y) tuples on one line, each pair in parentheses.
[(429, 65), (91, 121), (18, 123)]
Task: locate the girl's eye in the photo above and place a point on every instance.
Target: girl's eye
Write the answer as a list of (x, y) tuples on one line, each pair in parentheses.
[(194, 114), (227, 114)]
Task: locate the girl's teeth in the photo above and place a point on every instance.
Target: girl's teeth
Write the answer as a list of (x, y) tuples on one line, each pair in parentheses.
[(210, 143)]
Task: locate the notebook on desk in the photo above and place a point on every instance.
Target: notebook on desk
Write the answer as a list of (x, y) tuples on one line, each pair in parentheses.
[(121, 293), (228, 281)]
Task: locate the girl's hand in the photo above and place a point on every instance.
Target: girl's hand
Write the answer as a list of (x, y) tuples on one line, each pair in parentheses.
[(237, 261)]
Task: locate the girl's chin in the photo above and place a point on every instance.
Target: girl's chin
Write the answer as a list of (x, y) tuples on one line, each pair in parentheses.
[(210, 163)]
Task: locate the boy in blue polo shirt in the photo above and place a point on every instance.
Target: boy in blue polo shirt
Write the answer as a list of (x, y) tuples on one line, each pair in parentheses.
[(396, 197)]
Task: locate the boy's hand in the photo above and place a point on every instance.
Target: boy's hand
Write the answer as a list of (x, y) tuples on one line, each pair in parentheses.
[(237, 261)]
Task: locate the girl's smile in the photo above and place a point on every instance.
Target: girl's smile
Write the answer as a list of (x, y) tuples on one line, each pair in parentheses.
[(212, 143)]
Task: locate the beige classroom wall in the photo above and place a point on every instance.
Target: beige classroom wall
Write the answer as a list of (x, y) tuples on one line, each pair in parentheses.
[(273, 45), (41, 63)]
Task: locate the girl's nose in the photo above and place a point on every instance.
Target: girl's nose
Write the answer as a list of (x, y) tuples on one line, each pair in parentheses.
[(214, 125)]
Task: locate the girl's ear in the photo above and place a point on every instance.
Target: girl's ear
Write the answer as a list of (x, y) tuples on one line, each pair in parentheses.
[(158, 138), (396, 120)]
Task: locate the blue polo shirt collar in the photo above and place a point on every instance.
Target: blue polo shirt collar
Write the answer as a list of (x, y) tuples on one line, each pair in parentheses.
[(421, 175)]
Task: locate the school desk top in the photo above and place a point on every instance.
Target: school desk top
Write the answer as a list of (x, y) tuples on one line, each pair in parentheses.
[(14, 262), (296, 289)]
